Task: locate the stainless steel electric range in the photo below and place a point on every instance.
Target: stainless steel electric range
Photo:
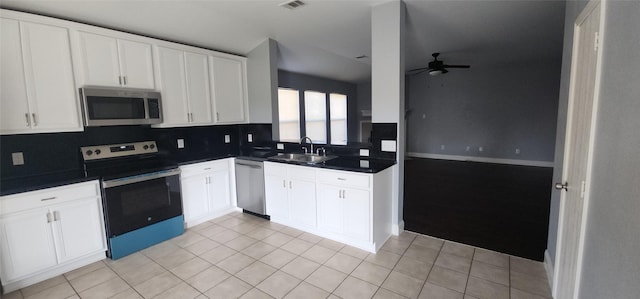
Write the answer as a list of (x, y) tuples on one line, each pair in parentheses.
[(140, 194)]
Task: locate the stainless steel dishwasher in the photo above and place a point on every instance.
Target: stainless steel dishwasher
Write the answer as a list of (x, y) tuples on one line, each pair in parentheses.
[(250, 185)]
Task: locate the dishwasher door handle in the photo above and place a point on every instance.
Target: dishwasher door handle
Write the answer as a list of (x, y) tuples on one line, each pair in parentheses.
[(249, 165)]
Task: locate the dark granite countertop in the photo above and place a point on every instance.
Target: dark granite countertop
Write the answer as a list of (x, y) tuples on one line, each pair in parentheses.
[(37, 182)]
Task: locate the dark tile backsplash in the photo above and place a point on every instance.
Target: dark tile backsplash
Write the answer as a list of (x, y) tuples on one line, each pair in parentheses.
[(379, 132)]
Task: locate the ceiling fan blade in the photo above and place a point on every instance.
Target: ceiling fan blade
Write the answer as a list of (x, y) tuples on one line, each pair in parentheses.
[(457, 66), (417, 71)]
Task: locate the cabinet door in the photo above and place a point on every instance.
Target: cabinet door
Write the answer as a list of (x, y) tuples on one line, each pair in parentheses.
[(228, 90), (100, 60), (302, 203), (26, 243), (197, 77), (174, 88), (78, 227), (136, 64), (50, 81), (276, 197), (330, 208), (195, 197), (356, 213), (13, 91), (220, 190)]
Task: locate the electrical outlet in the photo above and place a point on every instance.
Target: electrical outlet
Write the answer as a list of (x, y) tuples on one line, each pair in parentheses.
[(364, 152), (424, 116), (480, 148), (517, 151), (249, 137), (280, 146), (180, 143), (17, 158), (364, 164), (468, 148), (227, 139), (442, 147), (388, 145)]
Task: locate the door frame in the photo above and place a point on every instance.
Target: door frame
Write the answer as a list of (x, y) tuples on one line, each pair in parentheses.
[(591, 6)]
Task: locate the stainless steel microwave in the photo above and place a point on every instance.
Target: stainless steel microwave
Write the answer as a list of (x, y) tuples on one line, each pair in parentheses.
[(103, 106)]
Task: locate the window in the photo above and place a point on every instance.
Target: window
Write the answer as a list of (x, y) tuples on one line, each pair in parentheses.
[(325, 116), (289, 114), (315, 116)]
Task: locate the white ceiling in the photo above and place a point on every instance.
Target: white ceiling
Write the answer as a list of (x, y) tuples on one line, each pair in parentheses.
[(323, 37)]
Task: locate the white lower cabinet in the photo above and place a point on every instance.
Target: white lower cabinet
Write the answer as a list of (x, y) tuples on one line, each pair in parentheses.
[(48, 232), (207, 190), (349, 207), (290, 194)]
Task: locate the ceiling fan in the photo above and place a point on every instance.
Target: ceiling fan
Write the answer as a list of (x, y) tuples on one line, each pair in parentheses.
[(436, 67)]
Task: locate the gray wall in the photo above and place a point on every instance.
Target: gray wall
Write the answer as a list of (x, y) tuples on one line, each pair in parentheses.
[(572, 10), (262, 81), (304, 82), (496, 107), (611, 266)]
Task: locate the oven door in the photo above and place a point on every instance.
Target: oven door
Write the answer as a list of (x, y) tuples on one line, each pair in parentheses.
[(138, 201)]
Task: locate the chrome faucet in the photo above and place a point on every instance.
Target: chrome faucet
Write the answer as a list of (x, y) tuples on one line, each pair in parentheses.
[(310, 142)]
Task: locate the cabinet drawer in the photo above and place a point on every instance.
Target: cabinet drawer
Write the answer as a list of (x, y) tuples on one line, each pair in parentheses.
[(50, 196), (199, 168), (301, 173), (275, 169), (343, 178)]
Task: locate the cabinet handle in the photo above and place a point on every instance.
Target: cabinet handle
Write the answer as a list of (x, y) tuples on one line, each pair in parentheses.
[(339, 193), (56, 215), (217, 116), (35, 120), (290, 185), (284, 184), (120, 80), (124, 78), (48, 217), (48, 198), (207, 168), (26, 115), (342, 179), (344, 194)]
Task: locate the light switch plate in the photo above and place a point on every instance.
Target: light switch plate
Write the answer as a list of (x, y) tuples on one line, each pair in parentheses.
[(280, 146), (17, 158), (180, 143), (249, 137), (227, 139), (364, 152), (364, 164), (388, 145)]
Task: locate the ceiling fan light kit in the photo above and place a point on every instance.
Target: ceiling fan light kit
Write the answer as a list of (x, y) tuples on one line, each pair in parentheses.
[(436, 67)]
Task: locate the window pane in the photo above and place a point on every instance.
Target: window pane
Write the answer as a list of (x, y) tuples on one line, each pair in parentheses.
[(315, 113), (338, 116), (289, 114)]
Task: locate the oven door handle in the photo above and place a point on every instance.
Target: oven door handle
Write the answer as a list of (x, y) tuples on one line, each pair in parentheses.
[(140, 178)]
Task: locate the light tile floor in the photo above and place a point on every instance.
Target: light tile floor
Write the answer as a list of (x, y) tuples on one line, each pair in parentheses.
[(243, 256)]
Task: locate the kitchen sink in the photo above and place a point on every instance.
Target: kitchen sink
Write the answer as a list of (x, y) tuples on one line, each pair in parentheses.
[(302, 158)]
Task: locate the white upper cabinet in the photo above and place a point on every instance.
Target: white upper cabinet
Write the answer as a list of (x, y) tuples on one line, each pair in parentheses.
[(229, 89), (184, 84), (37, 87), (107, 61)]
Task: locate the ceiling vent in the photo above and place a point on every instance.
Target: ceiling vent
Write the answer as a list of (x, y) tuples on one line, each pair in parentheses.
[(292, 4)]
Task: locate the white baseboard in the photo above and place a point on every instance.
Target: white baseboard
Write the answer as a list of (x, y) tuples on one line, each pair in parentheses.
[(396, 229), (548, 266), (482, 159)]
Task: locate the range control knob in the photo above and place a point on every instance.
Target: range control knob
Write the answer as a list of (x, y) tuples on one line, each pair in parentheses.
[(89, 152), (98, 152), (145, 147), (152, 146)]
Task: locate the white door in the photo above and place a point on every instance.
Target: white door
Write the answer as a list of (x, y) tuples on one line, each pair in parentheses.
[(50, 81), (195, 197), (220, 190), (14, 112), (136, 64), (275, 188), (330, 208), (302, 203), (228, 90), (100, 60), (356, 214), (197, 78), (175, 107), (26, 243), (78, 228), (578, 145)]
